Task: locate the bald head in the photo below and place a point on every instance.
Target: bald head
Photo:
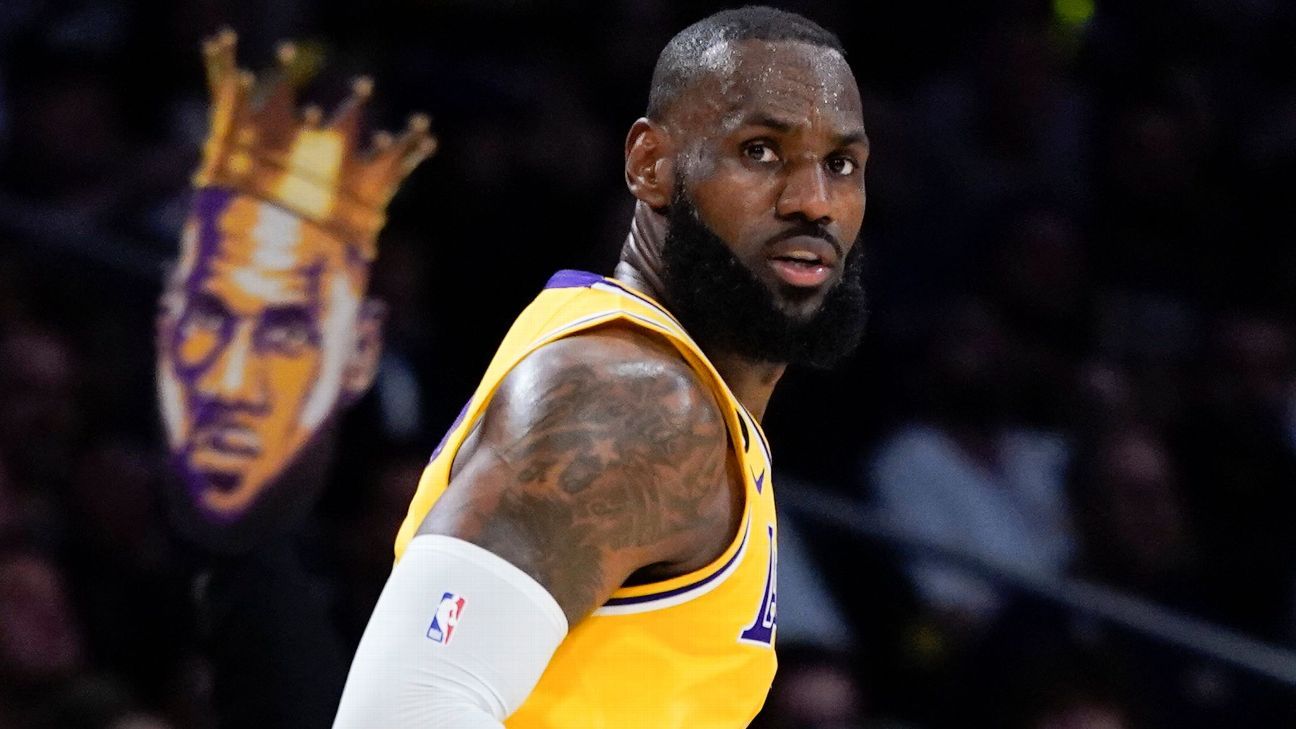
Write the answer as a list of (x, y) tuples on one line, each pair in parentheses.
[(691, 55)]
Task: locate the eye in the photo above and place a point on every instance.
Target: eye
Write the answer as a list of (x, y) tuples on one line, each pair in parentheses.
[(760, 152), (286, 337), (203, 321), (842, 166), (287, 333), (204, 316)]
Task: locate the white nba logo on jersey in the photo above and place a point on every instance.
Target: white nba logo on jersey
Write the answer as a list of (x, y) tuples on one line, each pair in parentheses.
[(446, 618)]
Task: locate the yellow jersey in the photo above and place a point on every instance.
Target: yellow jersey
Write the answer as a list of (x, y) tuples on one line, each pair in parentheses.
[(692, 652)]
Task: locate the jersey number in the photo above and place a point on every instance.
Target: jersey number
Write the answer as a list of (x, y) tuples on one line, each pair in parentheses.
[(761, 630)]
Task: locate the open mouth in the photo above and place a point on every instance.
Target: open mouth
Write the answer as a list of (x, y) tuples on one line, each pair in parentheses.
[(222, 481), (803, 261), (236, 442), (223, 453), (795, 272)]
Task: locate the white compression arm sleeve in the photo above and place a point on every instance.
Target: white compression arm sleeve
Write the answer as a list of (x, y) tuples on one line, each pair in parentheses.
[(457, 640)]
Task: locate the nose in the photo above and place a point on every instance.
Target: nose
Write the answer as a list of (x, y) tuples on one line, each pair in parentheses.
[(235, 377), (805, 194)]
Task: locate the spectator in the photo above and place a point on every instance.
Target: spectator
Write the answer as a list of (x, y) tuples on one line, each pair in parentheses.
[(1239, 468), (41, 644), (967, 478), (1132, 520), (39, 413), (815, 689)]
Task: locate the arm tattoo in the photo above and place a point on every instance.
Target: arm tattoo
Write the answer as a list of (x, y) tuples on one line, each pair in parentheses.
[(601, 470)]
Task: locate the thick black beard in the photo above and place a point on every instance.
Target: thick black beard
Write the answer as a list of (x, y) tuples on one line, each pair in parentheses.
[(725, 307)]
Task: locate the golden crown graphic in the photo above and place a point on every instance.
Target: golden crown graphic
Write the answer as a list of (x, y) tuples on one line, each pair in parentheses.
[(259, 144)]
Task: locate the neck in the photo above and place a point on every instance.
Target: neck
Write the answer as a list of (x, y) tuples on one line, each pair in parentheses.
[(751, 381)]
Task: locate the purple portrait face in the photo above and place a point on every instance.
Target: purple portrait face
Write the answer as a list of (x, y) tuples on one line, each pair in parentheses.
[(263, 332)]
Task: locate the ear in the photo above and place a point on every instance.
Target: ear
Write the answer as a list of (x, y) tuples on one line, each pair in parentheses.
[(362, 365), (164, 320), (649, 164), (161, 321)]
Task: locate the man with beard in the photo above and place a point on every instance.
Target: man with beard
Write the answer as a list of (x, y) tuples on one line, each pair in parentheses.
[(593, 543)]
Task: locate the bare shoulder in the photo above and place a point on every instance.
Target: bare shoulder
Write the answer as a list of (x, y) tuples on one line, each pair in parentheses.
[(600, 456)]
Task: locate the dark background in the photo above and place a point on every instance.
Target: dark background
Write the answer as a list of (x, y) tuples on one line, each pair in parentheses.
[(1080, 362)]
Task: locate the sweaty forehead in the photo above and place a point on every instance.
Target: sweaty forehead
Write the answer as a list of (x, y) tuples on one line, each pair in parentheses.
[(788, 79)]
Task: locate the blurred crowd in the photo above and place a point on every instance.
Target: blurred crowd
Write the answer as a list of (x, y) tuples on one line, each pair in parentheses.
[(1081, 359)]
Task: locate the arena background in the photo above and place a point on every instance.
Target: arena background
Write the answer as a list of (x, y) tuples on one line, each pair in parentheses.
[(1057, 485)]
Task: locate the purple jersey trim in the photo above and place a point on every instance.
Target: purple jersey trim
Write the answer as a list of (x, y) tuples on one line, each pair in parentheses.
[(637, 600), (572, 279), (453, 427)]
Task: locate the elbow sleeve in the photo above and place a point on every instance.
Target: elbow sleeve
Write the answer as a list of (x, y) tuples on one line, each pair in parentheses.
[(458, 639)]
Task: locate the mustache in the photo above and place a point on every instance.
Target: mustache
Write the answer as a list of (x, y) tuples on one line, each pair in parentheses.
[(805, 227), (810, 230), (210, 413)]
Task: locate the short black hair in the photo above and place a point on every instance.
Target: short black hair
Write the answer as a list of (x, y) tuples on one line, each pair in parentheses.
[(680, 61)]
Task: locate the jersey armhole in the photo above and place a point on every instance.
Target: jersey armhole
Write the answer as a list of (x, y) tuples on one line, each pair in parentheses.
[(651, 595), (678, 590), (666, 593)]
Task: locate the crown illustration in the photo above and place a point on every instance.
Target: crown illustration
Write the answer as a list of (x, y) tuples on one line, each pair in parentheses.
[(260, 144)]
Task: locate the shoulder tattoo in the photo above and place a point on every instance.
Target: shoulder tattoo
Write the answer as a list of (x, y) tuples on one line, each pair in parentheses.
[(590, 469)]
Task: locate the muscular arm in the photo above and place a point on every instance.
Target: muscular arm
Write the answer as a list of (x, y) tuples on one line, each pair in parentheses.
[(600, 457)]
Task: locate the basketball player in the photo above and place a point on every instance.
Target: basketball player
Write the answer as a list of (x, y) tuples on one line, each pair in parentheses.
[(593, 543)]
